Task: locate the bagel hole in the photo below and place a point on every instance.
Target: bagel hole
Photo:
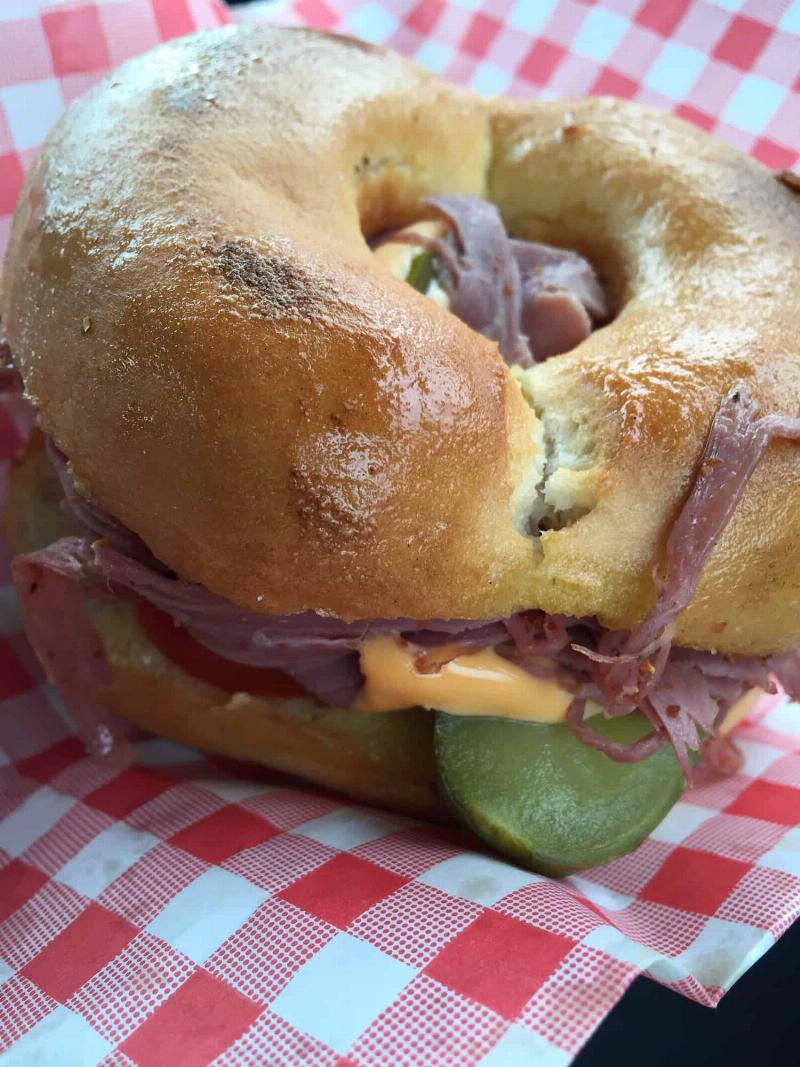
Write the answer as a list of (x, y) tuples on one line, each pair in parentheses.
[(606, 259), (557, 492), (401, 251)]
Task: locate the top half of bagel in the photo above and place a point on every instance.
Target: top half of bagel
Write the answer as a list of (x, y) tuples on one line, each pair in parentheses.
[(196, 312)]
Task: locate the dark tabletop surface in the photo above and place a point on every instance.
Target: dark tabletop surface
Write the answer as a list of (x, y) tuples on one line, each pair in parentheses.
[(757, 1022)]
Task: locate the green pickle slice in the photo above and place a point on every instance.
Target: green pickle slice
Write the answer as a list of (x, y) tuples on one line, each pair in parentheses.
[(545, 799), (422, 271)]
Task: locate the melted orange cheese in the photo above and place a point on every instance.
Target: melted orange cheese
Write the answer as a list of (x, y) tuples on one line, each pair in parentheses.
[(478, 683)]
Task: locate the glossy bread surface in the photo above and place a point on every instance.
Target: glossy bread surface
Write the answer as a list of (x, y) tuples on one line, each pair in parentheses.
[(194, 308)]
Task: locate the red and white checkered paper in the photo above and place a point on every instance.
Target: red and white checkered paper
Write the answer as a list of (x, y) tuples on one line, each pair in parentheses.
[(179, 912)]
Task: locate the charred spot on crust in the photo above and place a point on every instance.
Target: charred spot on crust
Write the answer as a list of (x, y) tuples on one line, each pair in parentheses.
[(280, 289), (790, 179)]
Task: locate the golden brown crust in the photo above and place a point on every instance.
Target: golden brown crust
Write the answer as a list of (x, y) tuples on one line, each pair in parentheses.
[(301, 430)]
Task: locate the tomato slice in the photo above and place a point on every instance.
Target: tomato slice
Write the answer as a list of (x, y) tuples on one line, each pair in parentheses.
[(177, 644)]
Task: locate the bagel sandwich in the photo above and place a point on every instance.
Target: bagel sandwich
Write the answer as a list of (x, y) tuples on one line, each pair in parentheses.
[(439, 450)]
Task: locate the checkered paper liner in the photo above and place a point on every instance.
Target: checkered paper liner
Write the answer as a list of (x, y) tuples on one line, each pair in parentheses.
[(184, 912)]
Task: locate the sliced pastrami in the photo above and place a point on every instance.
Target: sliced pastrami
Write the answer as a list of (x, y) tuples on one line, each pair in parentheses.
[(534, 300)]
